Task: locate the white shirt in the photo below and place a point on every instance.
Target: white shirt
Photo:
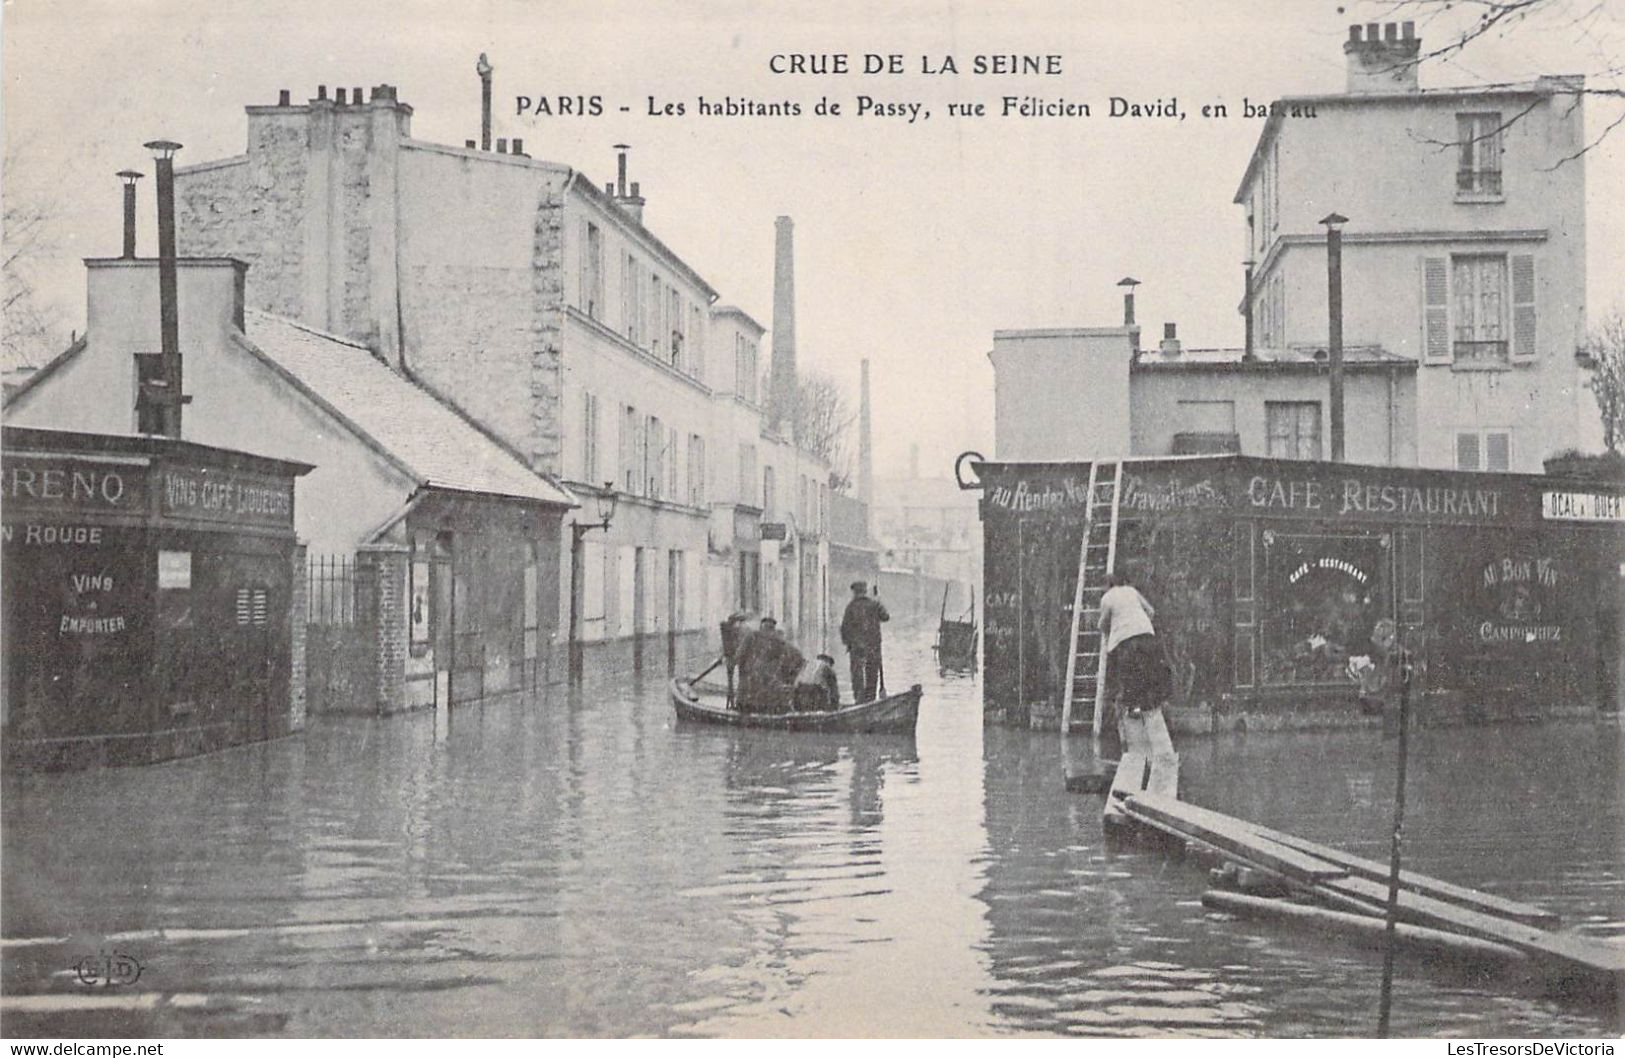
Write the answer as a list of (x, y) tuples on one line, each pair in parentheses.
[(1124, 614)]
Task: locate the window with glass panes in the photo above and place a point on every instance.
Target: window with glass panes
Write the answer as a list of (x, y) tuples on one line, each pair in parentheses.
[(1293, 429)]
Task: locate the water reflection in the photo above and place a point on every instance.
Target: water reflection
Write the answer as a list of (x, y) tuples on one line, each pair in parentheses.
[(583, 866)]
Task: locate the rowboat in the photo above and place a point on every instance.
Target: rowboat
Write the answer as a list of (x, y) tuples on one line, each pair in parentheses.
[(699, 702)]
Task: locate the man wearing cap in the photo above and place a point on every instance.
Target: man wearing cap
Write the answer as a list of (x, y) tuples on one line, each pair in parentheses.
[(816, 687), (761, 657), (860, 633)]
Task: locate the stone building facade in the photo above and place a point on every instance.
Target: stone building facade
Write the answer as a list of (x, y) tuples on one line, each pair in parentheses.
[(541, 306)]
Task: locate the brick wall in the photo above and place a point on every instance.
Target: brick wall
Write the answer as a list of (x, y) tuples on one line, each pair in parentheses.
[(546, 449), (382, 581)]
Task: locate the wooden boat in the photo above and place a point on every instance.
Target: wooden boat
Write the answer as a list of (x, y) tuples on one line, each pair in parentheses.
[(698, 702)]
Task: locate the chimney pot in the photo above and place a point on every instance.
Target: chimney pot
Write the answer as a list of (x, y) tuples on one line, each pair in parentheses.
[(356, 96), (283, 97), (502, 145), (1354, 33), (518, 145), (1373, 32), (1169, 331), (635, 190), (321, 91), (609, 188), (471, 144), (1390, 31), (339, 97), (1407, 30)]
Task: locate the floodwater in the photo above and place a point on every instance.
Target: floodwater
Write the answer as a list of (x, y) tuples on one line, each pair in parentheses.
[(588, 868)]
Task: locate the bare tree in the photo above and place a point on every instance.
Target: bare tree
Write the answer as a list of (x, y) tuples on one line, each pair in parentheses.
[(1588, 24), (1606, 346), (30, 332), (823, 419)]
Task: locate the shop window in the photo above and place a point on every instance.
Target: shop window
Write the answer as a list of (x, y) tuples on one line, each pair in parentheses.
[(1293, 428), (1323, 594)]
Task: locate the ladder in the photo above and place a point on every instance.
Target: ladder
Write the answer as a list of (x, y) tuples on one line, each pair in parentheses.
[(1085, 692)]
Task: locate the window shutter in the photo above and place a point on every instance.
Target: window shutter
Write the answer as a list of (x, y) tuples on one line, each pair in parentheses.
[(1523, 306), (1435, 309), (1497, 451), (1467, 451)]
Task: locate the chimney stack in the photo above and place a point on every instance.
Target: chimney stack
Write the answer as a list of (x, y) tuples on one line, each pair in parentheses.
[(782, 392), (283, 97), (1382, 58), (129, 177), (626, 197), (1170, 340), (170, 400), (339, 97), (502, 145), (484, 68)]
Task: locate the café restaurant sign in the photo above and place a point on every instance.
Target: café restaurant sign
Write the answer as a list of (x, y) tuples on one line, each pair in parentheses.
[(1358, 498), (215, 495)]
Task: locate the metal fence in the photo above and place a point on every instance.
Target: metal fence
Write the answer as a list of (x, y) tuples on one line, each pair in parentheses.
[(330, 583)]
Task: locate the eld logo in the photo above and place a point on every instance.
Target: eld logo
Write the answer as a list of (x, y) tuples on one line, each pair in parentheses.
[(108, 970)]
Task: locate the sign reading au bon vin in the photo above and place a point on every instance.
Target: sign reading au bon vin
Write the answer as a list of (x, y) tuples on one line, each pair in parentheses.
[(212, 494)]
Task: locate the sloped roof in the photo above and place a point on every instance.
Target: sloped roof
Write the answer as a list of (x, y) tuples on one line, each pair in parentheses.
[(420, 433)]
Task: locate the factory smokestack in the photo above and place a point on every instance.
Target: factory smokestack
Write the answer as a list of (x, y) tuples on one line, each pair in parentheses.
[(782, 394), (866, 464)]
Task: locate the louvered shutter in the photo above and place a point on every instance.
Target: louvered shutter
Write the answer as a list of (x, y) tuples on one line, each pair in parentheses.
[(1523, 306), (1436, 309), (1497, 451), (1467, 451)]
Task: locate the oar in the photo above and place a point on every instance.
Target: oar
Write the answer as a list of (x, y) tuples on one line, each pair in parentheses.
[(880, 662), (707, 672)]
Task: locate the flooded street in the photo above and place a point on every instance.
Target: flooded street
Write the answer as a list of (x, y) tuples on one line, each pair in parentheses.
[(587, 868)]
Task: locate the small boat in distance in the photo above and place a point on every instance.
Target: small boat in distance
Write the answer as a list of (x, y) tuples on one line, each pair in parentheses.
[(699, 702)]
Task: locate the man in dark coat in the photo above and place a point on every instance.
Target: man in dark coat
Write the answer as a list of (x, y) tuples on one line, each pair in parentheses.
[(860, 633)]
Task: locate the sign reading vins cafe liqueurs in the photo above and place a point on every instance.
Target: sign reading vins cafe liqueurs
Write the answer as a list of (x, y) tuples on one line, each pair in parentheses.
[(216, 495)]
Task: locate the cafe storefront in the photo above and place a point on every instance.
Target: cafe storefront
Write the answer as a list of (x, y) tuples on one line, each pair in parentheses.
[(1269, 575), (148, 589)]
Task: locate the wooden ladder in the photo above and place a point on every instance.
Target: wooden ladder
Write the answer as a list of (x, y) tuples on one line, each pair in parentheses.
[(1097, 556)]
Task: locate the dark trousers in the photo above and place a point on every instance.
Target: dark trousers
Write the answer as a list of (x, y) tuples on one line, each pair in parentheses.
[(865, 663)]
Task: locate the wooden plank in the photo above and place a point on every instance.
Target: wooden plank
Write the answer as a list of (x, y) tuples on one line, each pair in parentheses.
[(1570, 950), (1164, 781), (1093, 782), (1132, 771), (1230, 834), (1361, 867), (1363, 927)]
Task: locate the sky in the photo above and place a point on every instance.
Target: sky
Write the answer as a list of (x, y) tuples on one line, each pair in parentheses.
[(914, 241)]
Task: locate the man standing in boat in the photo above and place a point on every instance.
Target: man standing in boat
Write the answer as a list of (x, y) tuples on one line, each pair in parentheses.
[(860, 633)]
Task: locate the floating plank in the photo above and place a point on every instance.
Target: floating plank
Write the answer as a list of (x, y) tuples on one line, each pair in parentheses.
[(1229, 834), (1363, 927), (1573, 951), (1374, 870)]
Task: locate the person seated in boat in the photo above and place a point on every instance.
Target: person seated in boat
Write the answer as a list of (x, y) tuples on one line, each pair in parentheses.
[(817, 689), (762, 658)]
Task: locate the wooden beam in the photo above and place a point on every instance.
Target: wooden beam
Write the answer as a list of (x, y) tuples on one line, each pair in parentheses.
[(1230, 834), (1361, 867), (1363, 927), (1570, 950)]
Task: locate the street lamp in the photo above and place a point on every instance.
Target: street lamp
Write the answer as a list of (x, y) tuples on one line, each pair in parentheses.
[(578, 530), (129, 177), (1334, 333)]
